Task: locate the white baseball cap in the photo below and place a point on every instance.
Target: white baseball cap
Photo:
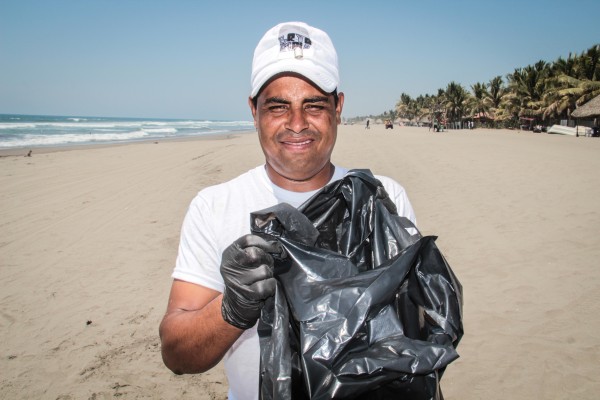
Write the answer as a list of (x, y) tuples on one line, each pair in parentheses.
[(295, 47)]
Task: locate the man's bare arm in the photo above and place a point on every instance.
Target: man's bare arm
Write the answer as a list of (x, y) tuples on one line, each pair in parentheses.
[(193, 334)]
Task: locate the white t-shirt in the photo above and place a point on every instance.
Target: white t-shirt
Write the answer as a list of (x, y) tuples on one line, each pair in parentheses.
[(218, 216)]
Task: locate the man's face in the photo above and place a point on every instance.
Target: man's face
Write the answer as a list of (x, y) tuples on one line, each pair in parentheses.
[(297, 127)]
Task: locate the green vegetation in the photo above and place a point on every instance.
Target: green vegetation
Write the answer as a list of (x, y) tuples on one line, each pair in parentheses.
[(539, 94)]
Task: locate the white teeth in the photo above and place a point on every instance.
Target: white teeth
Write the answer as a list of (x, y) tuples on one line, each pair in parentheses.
[(299, 143)]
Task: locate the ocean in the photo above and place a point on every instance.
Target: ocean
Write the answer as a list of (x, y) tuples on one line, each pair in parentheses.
[(18, 131)]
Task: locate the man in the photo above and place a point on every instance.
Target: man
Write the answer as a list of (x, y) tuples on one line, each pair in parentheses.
[(223, 274)]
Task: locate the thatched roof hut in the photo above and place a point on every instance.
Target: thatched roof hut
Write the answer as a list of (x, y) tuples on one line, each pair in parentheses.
[(591, 109)]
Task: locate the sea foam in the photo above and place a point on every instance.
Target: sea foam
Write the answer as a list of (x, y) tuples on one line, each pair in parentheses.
[(37, 130)]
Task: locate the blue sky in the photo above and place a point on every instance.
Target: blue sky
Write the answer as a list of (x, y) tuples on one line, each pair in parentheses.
[(192, 59)]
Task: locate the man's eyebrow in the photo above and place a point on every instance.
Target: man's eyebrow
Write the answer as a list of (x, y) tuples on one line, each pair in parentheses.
[(279, 100), (316, 99)]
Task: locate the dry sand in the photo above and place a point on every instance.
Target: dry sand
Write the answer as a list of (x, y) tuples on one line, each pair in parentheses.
[(88, 238)]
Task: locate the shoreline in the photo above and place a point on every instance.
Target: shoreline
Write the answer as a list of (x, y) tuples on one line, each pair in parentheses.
[(7, 152), (21, 151)]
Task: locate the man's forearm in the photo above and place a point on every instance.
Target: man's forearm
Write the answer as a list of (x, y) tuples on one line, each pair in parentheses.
[(194, 341)]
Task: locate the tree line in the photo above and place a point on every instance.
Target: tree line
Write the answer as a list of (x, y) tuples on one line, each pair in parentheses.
[(543, 93)]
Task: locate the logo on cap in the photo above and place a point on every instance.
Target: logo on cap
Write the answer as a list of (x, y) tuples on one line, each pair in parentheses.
[(294, 42)]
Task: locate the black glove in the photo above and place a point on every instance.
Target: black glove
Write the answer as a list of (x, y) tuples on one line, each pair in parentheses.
[(247, 270)]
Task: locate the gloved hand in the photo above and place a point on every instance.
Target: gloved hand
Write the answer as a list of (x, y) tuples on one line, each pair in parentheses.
[(247, 270)]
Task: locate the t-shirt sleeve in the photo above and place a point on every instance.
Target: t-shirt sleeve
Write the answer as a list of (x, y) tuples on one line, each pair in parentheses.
[(199, 256), (399, 197)]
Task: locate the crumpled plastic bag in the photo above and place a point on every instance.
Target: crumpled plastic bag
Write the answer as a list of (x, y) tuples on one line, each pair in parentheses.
[(365, 307)]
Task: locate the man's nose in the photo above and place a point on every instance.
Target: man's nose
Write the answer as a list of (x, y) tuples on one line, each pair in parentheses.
[(297, 121)]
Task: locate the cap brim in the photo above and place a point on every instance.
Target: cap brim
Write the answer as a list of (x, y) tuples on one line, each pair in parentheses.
[(317, 75)]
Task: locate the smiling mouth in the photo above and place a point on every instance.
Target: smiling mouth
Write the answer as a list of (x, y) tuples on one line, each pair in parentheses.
[(298, 143)]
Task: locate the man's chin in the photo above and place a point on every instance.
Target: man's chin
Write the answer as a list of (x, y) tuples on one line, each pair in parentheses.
[(302, 173)]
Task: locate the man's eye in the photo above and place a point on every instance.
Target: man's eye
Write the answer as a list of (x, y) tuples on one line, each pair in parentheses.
[(278, 108), (314, 107)]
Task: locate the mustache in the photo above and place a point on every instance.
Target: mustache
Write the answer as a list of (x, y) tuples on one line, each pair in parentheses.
[(287, 135)]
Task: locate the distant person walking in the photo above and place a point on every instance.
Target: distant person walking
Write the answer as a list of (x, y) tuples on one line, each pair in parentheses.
[(367, 126)]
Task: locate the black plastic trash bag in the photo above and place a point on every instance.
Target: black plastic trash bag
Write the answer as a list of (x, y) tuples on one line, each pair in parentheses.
[(363, 308)]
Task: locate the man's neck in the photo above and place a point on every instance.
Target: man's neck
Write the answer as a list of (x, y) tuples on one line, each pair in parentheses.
[(314, 182)]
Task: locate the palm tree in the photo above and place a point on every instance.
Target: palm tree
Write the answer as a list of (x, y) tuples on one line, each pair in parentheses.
[(588, 64), (588, 68), (564, 67), (495, 91), (478, 105), (589, 90), (431, 107), (437, 107), (421, 108), (493, 96), (560, 97), (526, 87), (406, 107), (456, 102), (575, 82)]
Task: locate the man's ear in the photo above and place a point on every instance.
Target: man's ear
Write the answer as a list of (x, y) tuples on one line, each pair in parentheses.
[(339, 107), (253, 110)]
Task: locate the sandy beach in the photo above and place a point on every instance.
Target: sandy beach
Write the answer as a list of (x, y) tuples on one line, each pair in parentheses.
[(89, 237)]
